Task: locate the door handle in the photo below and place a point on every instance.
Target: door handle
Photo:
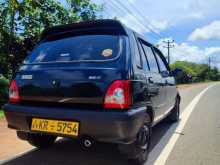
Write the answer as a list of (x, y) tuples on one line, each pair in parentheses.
[(150, 80)]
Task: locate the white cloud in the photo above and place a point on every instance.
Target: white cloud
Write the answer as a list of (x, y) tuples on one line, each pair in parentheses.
[(133, 17), (186, 52), (134, 24), (212, 50), (174, 16), (143, 26), (211, 31), (132, 1), (162, 14), (159, 25)]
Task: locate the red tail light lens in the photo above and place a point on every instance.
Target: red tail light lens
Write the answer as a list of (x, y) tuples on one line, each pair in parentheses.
[(118, 95), (13, 92)]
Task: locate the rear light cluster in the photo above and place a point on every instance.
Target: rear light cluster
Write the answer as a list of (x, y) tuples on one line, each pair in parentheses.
[(14, 92), (118, 95)]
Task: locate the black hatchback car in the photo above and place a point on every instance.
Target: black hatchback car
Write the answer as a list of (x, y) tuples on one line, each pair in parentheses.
[(94, 81)]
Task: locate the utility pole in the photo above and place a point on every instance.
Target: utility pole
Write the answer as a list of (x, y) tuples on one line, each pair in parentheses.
[(169, 45), (209, 63), (209, 67)]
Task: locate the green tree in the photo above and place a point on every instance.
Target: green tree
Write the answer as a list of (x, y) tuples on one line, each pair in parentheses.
[(23, 21), (4, 83), (214, 74), (198, 72)]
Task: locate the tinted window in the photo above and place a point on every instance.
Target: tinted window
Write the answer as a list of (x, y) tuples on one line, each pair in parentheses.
[(151, 58), (138, 58), (160, 62), (77, 48), (144, 60)]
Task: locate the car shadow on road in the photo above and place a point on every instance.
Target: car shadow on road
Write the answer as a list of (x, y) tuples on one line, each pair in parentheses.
[(69, 152)]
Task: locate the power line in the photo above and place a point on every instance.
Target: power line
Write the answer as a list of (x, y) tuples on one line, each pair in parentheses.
[(140, 14), (119, 6), (169, 45), (116, 8), (114, 4), (137, 18)]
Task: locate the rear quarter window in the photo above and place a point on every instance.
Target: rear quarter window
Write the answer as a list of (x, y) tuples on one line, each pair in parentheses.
[(77, 48), (161, 63), (151, 59)]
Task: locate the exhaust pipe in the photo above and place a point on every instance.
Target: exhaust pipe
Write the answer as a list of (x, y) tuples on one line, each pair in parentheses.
[(87, 142)]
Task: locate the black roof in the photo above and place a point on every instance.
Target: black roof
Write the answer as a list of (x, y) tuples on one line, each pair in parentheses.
[(109, 25)]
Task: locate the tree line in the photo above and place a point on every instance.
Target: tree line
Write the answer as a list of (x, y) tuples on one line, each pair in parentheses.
[(193, 72)]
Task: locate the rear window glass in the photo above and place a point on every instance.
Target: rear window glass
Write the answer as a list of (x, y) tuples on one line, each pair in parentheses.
[(77, 48)]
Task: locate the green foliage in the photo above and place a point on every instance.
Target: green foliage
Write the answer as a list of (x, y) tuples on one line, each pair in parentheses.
[(22, 22), (214, 74), (4, 83), (193, 72), (1, 113)]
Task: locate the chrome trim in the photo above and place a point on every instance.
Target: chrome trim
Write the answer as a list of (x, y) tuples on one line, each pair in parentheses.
[(163, 115)]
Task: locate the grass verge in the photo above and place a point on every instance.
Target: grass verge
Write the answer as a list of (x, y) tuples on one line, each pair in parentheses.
[(1, 114)]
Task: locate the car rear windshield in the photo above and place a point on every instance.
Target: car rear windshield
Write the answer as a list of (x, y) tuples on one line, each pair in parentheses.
[(76, 49)]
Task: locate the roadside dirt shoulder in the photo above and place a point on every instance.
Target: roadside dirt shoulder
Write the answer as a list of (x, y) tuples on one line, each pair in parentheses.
[(183, 86), (10, 145)]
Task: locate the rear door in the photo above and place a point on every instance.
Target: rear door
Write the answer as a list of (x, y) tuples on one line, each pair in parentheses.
[(155, 81), (170, 87), (75, 70)]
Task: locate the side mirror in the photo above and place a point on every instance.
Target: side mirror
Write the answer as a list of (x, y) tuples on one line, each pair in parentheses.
[(175, 72), (165, 73)]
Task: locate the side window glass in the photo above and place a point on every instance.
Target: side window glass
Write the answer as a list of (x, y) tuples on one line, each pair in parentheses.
[(138, 59), (160, 62), (144, 60), (151, 59)]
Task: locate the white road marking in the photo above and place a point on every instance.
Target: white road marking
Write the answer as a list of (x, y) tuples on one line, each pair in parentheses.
[(178, 127)]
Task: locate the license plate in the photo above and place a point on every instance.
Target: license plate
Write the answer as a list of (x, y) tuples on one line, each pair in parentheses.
[(55, 126)]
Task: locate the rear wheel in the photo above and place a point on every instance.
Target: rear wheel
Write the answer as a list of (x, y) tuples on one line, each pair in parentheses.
[(175, 113), (142, 145), (137, 152), (40, 140)]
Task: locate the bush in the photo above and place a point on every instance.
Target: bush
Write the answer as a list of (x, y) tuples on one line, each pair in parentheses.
[(4, 84), (193, 72)]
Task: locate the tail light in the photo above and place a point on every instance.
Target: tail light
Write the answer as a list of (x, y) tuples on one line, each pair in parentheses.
[(118, 95), (13, 92)]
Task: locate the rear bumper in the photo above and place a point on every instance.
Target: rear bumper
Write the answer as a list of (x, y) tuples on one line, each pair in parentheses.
[(108, 126)]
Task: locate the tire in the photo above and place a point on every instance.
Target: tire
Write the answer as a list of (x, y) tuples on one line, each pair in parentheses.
[(137, 152), (175, 113), (41, 141)]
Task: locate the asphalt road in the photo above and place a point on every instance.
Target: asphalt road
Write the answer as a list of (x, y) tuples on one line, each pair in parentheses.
[(194, 140)]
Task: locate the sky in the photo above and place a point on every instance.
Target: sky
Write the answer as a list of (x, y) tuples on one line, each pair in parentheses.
[(193, 24)]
